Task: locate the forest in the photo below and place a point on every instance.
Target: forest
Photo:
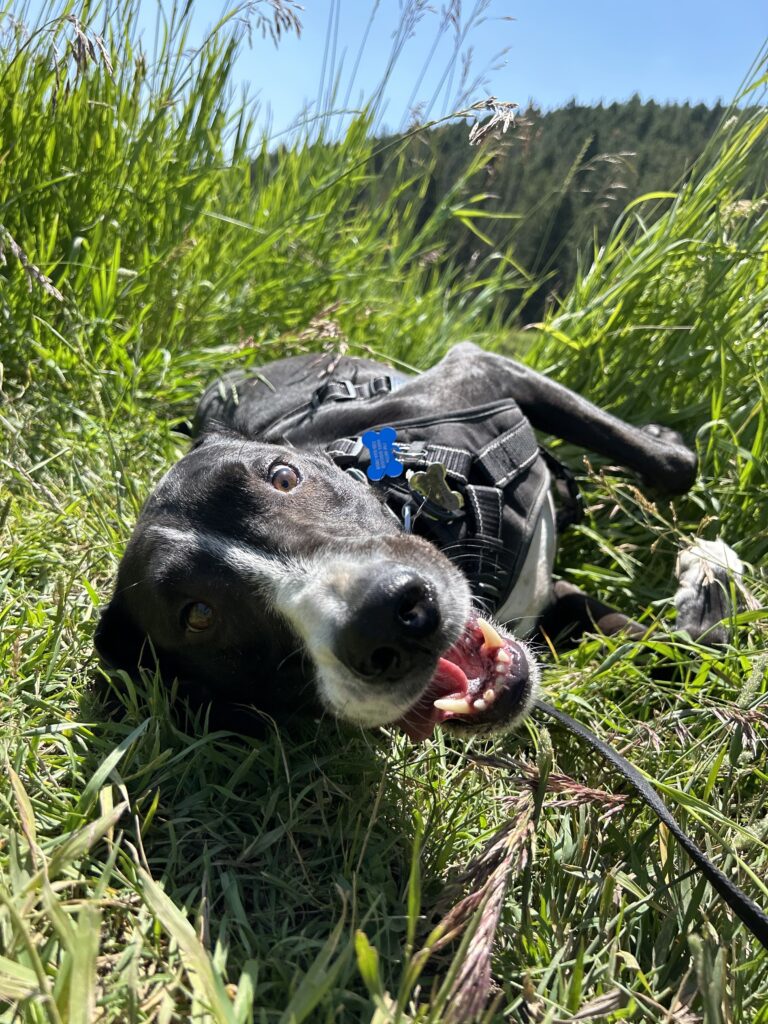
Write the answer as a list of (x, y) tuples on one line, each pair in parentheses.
[(554, 185)]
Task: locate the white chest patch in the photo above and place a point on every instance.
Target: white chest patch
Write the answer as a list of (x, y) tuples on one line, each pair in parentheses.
[(533, 590)]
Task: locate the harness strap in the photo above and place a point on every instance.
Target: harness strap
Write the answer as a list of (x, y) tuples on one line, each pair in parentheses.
[(510, 454), (487, 505), (348, 390), (457, 461), (571, 509), (745, 908), (346, 451)]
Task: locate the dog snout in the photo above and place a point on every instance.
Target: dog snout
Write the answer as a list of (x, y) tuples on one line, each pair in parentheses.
[(392, 620)]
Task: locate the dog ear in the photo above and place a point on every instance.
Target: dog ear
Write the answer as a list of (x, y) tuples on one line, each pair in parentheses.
[(118, 640)]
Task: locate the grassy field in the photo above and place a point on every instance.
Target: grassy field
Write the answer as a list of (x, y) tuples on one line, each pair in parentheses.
[(153, 874)]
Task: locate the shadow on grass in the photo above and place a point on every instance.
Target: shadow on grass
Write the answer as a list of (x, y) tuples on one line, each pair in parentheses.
[(268, 841)]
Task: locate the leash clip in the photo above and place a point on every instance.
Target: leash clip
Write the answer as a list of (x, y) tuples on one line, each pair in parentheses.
[(407, 517)]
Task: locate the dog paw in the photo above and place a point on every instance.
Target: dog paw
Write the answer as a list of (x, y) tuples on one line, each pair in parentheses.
[(674, 463), (666, 434), (710, 584)]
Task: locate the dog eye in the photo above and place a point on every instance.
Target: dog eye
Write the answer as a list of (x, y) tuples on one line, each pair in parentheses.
[(197, 617), (284, 478)]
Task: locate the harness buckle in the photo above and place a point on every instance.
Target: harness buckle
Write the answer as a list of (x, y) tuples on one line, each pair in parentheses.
[(345, 451), (350, 391), (336, 391)]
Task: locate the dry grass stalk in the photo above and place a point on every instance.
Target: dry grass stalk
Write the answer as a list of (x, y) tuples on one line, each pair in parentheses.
[(573, 793), (323, 327), (82, 46), (748, 720), (488, 874), (34, 273), (284, 18), (502, 118)]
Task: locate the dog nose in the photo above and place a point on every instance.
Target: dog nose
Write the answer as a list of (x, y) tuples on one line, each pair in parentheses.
[(391, 621)]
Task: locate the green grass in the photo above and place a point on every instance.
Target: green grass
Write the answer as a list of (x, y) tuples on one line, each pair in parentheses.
[(153, 874)]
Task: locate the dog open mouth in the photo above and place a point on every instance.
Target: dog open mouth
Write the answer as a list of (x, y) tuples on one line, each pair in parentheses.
[(482, 681)]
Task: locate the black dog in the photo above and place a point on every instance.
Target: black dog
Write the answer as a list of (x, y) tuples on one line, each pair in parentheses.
[(267, 570)]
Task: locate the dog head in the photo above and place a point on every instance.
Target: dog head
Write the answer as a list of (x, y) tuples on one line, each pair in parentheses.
[(264, 575)]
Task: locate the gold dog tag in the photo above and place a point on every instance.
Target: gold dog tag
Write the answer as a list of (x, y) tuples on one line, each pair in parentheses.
[(432, 484)]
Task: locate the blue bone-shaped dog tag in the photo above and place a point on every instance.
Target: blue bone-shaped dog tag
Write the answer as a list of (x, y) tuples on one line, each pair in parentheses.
[(381, 445)]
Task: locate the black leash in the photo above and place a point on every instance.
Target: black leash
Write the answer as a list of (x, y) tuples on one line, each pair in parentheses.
[(753, 917)]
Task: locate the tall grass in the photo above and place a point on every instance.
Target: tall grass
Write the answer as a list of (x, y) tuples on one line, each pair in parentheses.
[(148, 873)]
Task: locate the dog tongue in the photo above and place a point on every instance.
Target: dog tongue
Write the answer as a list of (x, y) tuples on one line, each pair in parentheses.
[(419, 721)]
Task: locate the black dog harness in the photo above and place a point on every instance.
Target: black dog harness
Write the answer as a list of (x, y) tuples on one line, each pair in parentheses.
[(474, 483), (474, 479)]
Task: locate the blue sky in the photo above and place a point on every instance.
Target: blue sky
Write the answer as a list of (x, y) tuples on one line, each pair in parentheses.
[(555, 50)]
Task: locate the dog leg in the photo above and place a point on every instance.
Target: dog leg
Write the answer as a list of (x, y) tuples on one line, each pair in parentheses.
[(656, 453), (573, 613), (710, 588)]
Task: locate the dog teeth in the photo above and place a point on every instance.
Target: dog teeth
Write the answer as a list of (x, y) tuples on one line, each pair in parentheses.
[(492, 639), (480, 705), (456, 705), (501, 655), (489, 696)]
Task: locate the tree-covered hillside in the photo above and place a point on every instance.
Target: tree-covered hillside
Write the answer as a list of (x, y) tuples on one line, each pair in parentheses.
[(564, 176)]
